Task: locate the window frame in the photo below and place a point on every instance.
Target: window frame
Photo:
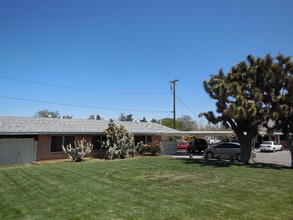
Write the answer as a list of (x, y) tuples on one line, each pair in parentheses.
[(144, 138), (55, 148), (97, 141)]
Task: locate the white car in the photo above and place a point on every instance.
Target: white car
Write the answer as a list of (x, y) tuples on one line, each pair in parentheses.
[(270, 146), (214, 141)]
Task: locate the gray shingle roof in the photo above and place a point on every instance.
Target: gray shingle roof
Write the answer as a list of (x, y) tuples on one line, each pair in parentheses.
[(10, 125)]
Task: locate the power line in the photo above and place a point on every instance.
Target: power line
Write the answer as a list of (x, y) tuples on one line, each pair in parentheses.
[(82, 89), (81, 106), (186, 106)]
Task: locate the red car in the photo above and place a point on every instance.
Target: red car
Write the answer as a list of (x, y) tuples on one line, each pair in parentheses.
[(182, 145)]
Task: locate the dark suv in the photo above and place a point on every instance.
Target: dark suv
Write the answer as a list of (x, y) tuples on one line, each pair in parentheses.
[(197, 145)]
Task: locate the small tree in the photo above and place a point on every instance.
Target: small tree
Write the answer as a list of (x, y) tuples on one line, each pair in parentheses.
[(47, 114), (119, 142), (143, 120), (168, 122), (78, 151), (186, 123), (124, 117), (155, 121)]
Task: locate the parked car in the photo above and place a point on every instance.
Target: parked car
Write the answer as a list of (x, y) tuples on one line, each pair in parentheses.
[(270, 146), (223, 150), (214, 141), (197, 145), (182, 145)]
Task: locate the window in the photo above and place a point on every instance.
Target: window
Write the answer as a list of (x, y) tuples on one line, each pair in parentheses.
[(58, 141), (69, 140), (97, 141), (144, 139), (234, 146), (282, 138), (220, 146)]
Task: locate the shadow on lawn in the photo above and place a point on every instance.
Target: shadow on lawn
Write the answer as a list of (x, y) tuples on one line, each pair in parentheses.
[(226, 163)]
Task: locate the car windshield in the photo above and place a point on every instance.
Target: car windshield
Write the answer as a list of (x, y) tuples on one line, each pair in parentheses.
[(267, 142)]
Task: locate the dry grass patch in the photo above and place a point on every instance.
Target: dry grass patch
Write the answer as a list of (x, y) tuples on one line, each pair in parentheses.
[(171, 177)]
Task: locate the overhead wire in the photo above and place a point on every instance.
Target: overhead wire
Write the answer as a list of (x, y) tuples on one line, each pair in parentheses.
[(186, 106), (82, 89), (81, 106)]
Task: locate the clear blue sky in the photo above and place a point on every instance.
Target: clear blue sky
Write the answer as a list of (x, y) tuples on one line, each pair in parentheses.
[(128, 51)]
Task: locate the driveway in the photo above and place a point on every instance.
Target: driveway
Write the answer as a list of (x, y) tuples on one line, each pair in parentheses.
[(282, 158), (279, 157)]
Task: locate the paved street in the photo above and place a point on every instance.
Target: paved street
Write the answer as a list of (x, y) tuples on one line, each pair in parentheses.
[(282, 158), (279, 157)]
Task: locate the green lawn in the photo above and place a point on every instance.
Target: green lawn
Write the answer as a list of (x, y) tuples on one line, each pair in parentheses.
[(145, 188)]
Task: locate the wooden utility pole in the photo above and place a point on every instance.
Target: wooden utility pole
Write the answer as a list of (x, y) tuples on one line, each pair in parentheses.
[(173, 88)]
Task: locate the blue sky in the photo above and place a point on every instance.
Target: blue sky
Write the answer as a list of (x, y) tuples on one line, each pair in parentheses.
[(118, 56)]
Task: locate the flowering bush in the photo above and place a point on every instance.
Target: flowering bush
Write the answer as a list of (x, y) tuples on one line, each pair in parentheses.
[(154, 148)]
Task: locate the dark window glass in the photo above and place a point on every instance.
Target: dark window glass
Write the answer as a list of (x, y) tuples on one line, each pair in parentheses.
[(144, 139), (96, 141), (56, 143), (223, 146), (234, 146), (219, 146), (139, 139), (282, 138), (104, 138), (149, 139), (69, 140)]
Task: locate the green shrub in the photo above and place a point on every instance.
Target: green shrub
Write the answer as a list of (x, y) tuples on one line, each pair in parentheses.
[(78, 151), (154, 148)]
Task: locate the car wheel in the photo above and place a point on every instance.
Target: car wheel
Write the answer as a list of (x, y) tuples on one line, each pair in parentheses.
[(238, 157), (274, 149), (209, 155), (282, 148)]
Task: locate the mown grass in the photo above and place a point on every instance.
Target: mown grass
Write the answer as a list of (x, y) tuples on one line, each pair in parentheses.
[(145, 188)]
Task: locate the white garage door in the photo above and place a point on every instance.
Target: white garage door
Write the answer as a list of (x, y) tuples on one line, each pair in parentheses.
[(169, 147), (17, 150)]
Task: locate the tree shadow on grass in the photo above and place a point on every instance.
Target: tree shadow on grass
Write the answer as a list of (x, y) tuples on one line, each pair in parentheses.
[(269, 166), (226, 163)]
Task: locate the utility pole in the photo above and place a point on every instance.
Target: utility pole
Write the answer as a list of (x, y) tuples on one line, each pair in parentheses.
[(173, 88)]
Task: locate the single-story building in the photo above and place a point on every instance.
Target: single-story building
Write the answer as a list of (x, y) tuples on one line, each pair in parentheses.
[(29, 139)]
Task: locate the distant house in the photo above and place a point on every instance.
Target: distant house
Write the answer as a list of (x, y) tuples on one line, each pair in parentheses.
[(28, 139)]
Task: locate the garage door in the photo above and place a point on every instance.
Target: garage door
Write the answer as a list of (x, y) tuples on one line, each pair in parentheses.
[(17, 150)]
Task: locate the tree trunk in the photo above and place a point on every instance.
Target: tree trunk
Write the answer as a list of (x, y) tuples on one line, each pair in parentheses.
[(245, 146), (290, 144)]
